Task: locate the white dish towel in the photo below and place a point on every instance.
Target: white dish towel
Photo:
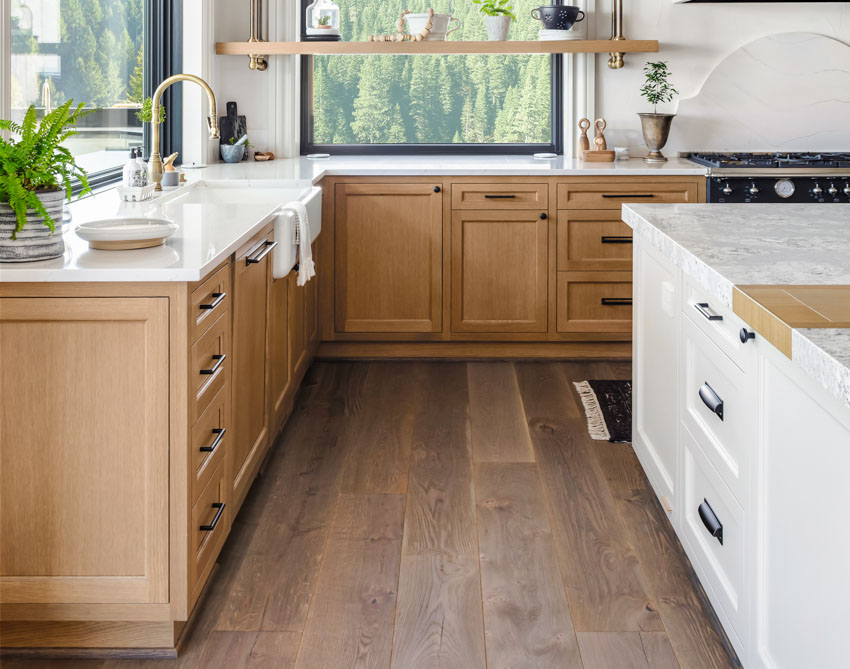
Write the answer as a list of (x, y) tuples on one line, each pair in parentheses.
[(301, 238)]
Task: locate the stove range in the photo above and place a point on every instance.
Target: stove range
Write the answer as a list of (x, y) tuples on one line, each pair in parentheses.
[(777, 177)]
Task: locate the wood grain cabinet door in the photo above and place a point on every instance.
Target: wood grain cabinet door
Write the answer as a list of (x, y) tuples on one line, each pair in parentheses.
[(84, 398), (499, 271), (388, 256), (280, 377)]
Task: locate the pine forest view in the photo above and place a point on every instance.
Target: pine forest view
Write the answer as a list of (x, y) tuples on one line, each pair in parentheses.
[(431, 99)]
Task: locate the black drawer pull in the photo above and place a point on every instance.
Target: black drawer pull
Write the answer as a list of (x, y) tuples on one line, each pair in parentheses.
[(616, 301), (216, 505), (702, 307), (437, 189), (617, 239), (219, 434), (219, 361), (268, 247), (711, 399), (218, 298), (500, 197), (630, 195), (709, 519)]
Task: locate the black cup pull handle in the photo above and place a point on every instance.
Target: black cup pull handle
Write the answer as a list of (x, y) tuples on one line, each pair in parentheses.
[(629, 195), (269, 247), (218, 298), (500, 197), (703, 307), (219, 434), (617, 239), (219, 361), (616, 301), (219, 506), (710, 520), (711, 399)]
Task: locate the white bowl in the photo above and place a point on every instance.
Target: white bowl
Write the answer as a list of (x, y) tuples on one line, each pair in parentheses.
[(552, 35)]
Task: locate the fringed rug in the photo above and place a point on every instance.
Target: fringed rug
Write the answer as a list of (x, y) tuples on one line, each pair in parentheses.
[(608, 407)]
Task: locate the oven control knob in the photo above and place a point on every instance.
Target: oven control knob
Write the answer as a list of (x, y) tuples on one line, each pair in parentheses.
[(817, 190), (784, 188), (754, 189), (832, 190), (727, 189), (847, 189)]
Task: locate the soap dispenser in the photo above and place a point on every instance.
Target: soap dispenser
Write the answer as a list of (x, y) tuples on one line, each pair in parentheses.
[(128, 174)]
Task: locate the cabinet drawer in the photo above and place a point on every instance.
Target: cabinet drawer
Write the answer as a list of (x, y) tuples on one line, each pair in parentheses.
[(709, 506), (594, 302), (208, 302), (500, 196), (593, 240), (209, 440), (210, 365), (719, 406), (210, 524), (606, 195)]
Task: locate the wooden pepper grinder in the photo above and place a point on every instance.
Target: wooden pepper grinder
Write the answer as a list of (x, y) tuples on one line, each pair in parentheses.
[(583, 141), (600, 127)]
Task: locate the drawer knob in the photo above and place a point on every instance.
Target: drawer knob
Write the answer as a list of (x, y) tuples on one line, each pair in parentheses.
[(711, 399), (543, 216), (703, 308), (219, 435), (710, 520), (746, 335), (437, 189), (219, 506)]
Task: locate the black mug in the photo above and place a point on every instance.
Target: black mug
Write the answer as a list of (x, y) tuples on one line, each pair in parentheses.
[(557, 17)]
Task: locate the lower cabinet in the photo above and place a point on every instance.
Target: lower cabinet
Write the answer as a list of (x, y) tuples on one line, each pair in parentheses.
[(594, 302)]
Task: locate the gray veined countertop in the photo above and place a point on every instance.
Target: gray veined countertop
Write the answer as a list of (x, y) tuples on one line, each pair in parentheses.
[(725, 245)]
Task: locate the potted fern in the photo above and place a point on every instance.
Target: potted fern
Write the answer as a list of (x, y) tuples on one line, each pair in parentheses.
[(36, 172), (497, 17), (656, 127)]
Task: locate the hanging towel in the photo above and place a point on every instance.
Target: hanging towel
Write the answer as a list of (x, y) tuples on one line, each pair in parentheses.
[(301, 238)]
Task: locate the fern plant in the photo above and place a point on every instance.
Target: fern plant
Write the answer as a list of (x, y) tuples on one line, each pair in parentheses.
[(656, 88), (37, 162), (495, 8)]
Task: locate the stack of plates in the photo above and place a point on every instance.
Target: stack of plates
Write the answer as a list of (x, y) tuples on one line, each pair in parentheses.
[(549, 35)]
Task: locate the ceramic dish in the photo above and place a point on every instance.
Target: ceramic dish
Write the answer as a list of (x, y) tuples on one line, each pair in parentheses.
[(550, 35), (121, 234)]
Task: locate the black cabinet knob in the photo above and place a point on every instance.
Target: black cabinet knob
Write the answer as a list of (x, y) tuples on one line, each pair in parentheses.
[(543, 217), (437, 189), (746, 335)]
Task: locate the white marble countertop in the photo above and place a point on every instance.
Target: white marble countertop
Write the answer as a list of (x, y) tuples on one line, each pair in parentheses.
[(723, 245)]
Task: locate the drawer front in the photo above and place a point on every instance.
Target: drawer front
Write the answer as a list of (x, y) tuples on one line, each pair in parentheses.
[(209, 440), (594, 302), (612, 196), (500, 196), (720, 324), (210, 368), (210, 525), (593, 240), (710, 513), (719, 407), (208, 302)]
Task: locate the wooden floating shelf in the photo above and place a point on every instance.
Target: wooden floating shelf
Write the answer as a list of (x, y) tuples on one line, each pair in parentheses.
[(436, 47)]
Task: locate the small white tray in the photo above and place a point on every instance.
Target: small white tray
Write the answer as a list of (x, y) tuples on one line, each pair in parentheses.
[(136, 193), (120, 234)]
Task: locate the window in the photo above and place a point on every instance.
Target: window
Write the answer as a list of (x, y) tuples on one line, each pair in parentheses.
[(386, 104), (100, 52)]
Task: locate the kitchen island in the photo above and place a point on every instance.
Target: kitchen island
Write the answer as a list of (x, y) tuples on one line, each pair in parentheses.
[(742, 412)]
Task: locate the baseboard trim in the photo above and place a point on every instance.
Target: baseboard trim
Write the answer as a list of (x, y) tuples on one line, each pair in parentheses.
[(478, 350)]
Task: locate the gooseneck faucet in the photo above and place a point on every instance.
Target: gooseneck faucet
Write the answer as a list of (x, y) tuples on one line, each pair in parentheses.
[(155, 162)]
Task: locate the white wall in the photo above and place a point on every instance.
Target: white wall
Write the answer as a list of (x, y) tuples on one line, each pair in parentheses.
[(694, 39)]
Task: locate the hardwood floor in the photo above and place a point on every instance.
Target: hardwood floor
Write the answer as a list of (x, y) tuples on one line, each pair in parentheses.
[(436, 515)]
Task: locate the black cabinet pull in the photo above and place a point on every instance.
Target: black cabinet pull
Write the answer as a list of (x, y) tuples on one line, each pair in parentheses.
[(219, 361), (709, 519), (268, 247), (629, 195), (746, 335), (544, 216), (219, 434), (711, 399), (437, 189), (702, 307), (220, 509), (218, 298), (616, 239), (500, 197), (616, 301)]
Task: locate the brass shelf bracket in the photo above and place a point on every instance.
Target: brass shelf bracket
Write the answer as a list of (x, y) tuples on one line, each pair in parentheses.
[(616, 62), (259, 62)]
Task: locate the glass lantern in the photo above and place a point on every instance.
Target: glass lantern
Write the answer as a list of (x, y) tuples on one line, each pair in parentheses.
[(322, 21)]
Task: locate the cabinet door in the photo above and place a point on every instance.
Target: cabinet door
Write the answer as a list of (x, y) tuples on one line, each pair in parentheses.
[(84, 398), (388, 273), (250, 365), (499, 268), (594, 302), (297, 327), (279, 370)]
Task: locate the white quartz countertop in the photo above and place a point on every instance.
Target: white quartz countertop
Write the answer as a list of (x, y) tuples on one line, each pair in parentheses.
[(723, 245)]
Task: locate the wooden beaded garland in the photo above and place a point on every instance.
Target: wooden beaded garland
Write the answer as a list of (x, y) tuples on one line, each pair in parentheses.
[(401, 36)]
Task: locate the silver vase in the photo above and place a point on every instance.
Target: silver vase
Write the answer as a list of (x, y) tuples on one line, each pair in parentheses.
[(656, 129), (35, 241)]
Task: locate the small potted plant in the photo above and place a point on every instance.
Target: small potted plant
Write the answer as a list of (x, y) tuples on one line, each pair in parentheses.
[(497, 17), (35, 177), (656, 127)]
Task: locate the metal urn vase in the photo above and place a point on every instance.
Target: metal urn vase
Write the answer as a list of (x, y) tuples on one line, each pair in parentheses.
[(656, 129)]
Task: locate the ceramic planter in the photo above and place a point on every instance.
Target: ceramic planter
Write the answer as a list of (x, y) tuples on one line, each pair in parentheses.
[(656, 129), (34, 241), (497, 27)]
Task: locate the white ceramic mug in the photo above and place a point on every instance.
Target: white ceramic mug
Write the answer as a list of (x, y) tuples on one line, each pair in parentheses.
[(439, 25)]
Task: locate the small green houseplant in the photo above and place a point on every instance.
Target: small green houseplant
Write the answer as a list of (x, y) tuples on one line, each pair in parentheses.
[(145, 112), (36, 173), (656, 127), (497, 17)]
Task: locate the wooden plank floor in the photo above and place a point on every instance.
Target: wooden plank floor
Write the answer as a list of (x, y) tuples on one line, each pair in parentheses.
[(433, 515)]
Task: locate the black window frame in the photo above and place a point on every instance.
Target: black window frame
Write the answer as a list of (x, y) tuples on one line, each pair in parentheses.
[(308, 146)]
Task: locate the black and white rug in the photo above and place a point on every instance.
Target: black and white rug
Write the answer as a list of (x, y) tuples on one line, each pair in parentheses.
[(608, 407)]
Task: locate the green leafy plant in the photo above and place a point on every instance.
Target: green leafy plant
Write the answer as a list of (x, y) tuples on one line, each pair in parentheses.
[(37, 162), (325, 21), (495, 8), (248, 144), (145, 112), (657, 88)]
